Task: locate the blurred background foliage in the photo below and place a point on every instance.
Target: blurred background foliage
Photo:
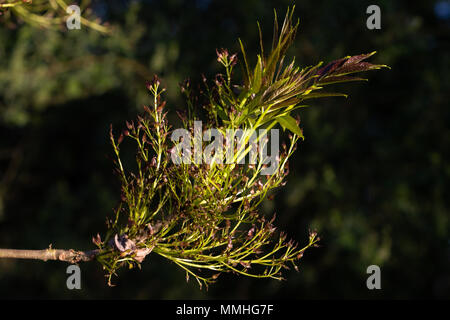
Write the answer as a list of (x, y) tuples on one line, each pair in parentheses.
[(371, 176)]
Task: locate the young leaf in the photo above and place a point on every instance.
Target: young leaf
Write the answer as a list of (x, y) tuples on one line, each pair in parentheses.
[(290, 123), (257, 77)]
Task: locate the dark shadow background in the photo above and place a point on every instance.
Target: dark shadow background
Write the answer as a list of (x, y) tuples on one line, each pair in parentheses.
[(371, 177)]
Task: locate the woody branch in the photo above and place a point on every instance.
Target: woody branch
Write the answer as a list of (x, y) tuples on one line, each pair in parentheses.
[(70, 255)]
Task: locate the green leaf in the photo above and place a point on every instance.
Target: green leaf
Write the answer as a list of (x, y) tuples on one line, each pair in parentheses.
[(323, 95), (257, 76), (290, 123), (221, 113), (247, 70)]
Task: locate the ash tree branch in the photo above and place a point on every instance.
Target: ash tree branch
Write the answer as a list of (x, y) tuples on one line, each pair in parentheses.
[(70, 255)]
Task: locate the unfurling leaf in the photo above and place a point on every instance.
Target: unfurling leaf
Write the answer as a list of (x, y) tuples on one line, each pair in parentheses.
[(291, 124)]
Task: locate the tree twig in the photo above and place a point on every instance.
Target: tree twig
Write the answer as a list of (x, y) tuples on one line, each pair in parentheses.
[(70, 255)]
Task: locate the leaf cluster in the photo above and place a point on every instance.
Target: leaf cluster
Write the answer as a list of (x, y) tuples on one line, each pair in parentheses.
[(204, 216)]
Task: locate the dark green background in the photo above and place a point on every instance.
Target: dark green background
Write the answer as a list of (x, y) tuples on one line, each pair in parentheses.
[(371, 176)]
